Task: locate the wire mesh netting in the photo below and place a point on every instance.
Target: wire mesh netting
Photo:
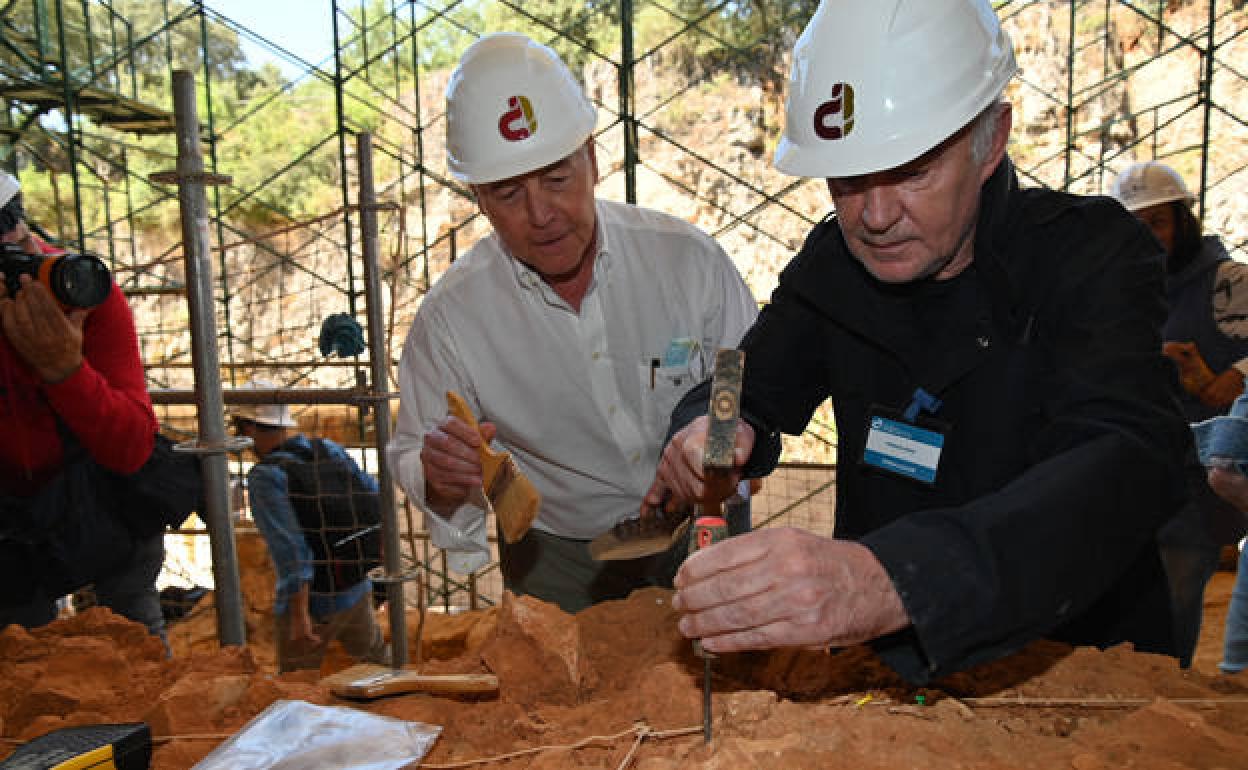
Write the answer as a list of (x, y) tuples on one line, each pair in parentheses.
[(690, 101)]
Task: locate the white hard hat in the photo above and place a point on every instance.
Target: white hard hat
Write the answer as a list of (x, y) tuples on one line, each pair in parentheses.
[(1148, 184), (512, 107), (273, 415), (9, 186), (876, 84)]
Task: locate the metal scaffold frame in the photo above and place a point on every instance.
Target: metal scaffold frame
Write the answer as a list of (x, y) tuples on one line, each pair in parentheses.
[(82, 84)]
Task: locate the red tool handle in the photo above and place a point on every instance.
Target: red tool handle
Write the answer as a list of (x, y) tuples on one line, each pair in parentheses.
[(707, 530)]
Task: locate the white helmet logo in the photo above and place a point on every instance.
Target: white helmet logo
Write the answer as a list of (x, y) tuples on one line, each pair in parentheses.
[(518, 123), (834, 119)]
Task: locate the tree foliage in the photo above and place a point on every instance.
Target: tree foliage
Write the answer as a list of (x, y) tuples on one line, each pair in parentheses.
[(278, 139)]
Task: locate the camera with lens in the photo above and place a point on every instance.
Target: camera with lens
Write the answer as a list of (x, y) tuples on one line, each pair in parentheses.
[(76, 280)]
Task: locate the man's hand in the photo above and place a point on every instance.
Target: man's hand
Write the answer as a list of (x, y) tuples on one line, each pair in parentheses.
[(679, 480), (1231, 486), (451, 461), (42, 334), (785, 588), (1223, 390)]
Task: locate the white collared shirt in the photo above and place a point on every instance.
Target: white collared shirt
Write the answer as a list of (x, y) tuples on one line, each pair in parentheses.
[(581, 400)]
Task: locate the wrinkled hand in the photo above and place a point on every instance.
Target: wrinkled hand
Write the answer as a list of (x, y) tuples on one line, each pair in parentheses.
[(785, 588), (1223, 390), (1231, 486), (45, 337), (679, 480), (1194, 374), (452, 462)]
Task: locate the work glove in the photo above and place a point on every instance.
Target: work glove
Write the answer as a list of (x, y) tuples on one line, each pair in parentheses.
[(1194, 374), (1223, 390)]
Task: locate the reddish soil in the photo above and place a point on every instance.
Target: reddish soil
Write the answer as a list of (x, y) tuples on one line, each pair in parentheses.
[(620, 670)]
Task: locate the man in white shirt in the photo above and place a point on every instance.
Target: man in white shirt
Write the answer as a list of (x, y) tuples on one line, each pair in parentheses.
[(571, 331)]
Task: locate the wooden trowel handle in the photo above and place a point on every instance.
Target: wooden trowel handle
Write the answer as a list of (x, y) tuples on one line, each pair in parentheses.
[(400, 682)]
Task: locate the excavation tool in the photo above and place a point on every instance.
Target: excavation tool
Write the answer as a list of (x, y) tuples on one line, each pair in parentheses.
[(369, 680), (709, 526), (641, 536), (659, 530), (89, 747), (512, 496)]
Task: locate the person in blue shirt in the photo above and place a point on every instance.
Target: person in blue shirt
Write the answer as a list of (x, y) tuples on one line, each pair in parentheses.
[(308, 617), (1222, 442)]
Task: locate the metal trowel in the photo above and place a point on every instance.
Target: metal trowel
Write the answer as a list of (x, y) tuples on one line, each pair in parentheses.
[(643, 536), (658, 531)]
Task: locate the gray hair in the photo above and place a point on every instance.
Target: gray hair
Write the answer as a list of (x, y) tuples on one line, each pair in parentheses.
[(984, 129)]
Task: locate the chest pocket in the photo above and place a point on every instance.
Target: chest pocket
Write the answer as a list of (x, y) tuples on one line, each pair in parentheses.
[(661, 388)]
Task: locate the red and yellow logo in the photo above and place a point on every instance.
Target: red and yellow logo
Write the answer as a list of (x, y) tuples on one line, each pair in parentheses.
[(834, 119), (518, 122)]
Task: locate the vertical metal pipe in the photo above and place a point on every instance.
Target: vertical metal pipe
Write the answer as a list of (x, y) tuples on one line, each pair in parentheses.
[(1068, 153), (393, 555), (340, 112), (73, 131), (89, 34), (226, 295), (197, 252), (627, 118), (1206, 96), (419, 132)]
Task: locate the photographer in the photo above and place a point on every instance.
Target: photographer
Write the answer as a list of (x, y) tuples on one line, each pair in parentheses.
[(76, 410)]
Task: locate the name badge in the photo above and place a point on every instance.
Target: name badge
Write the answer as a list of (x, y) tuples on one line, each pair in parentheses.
[(902, 448)]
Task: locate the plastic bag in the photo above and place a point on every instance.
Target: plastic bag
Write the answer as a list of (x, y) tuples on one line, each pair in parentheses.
[(296, 735)]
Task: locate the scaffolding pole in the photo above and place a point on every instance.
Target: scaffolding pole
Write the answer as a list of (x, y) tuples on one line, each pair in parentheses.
[(211, 444), (391, 553)]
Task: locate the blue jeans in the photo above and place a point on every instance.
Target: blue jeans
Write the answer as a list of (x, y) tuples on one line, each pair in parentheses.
[(1235, 643)]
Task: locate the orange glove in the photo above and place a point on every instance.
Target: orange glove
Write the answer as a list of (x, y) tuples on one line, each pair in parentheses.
[(1194, 374)]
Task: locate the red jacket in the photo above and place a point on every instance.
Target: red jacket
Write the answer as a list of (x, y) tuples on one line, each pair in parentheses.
[(104, 404)]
